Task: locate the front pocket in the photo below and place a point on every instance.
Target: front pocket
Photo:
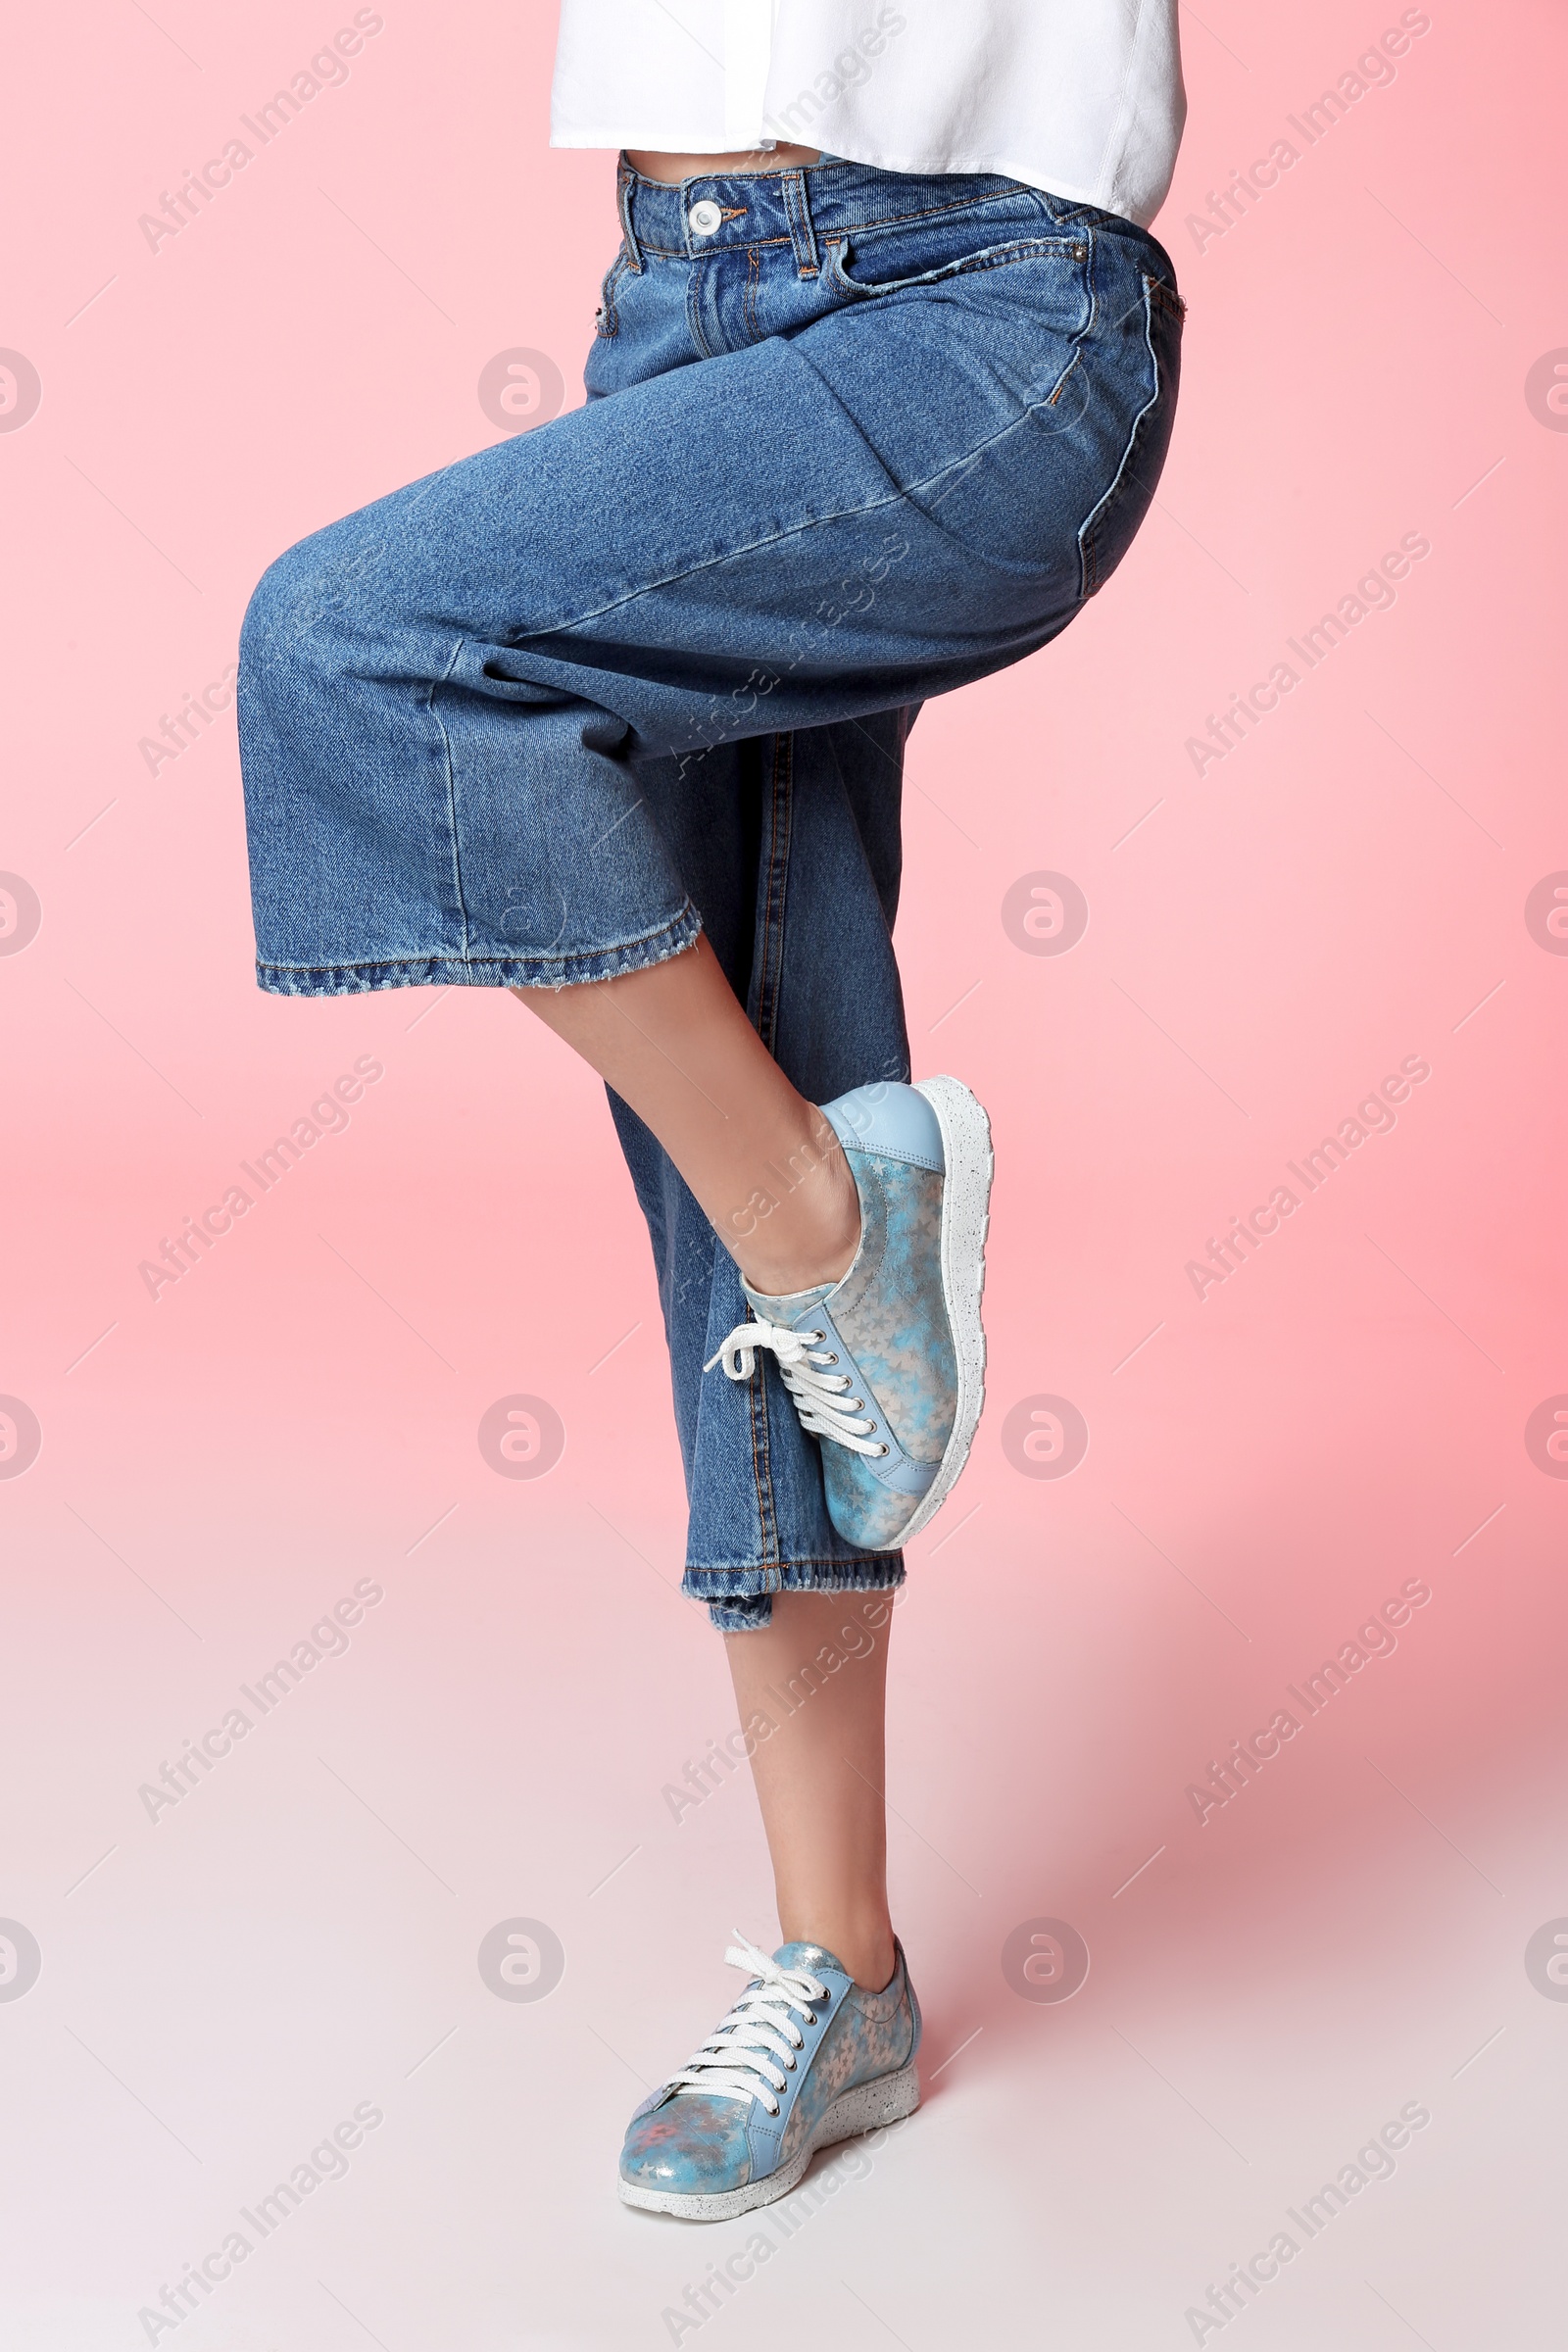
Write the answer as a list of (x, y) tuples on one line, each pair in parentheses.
[(836, 273), (606, 319)]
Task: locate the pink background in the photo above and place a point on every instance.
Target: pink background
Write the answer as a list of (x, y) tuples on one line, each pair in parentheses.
[(1264, 1468)]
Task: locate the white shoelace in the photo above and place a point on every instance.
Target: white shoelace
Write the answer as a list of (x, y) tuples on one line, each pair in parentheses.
[(752, 2049), (821, 1396)]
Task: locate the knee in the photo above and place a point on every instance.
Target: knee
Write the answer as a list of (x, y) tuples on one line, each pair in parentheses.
[(298, 609), (278, 615)]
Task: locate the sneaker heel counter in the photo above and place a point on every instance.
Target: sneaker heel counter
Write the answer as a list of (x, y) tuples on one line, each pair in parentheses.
[(890, 1119), (917, 2023)]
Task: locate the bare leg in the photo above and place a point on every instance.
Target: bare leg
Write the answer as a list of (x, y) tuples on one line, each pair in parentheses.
[(763, 1163), (767, 1168), (819, 1773)]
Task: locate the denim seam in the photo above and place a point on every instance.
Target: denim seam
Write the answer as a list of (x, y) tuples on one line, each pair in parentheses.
[(713, 253), (742, 1608), (888, 1562), (807, 1560), (607, 322), (781, 824), (930, 212), (433, 690), (771, 926), (899, 494), (911, 493), (763, 1480), (607, 963), (749, 311), (803, 229), (615, 947), (729, 555), (1000, 257), (764, 959), (1062, 380), (694, 321), (908, 492), (1088, 552)]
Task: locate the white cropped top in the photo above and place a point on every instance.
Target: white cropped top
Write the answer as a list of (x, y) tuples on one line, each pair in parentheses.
[(1083, 97)]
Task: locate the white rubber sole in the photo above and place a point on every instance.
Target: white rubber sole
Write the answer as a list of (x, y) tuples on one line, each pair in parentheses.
[(966, 1221), (868, 2106)]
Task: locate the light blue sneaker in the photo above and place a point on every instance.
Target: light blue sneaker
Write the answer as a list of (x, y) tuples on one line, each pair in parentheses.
[(888, 1365), (804, 2058)]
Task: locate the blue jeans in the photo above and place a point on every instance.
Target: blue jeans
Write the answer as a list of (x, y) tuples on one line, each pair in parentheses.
[(541, 716)]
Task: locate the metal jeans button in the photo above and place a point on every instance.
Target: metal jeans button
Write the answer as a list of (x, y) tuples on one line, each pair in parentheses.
[(704, 217)]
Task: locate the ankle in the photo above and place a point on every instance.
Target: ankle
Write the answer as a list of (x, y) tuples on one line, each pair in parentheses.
[(866, 1951), (872, 1968), (810, 1237)]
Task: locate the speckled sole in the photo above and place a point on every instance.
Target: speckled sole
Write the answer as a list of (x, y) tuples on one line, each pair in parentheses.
[(865, 2108), (966, 1221)]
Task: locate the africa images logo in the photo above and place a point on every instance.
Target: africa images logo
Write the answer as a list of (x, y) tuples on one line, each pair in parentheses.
[(21, 1437), (21, 913), (521, 1436), (20, 390), (521, 388), (1545, 390)]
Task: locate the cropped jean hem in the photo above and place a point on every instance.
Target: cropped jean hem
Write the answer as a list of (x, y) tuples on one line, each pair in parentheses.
[(484, 972), (739, 1599)]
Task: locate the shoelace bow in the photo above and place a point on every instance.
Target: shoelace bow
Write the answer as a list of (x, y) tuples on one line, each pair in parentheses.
[(752, 2049), (821, 1396)]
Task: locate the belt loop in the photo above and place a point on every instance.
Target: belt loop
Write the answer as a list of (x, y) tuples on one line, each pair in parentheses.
[(624, 179), (798, 212)]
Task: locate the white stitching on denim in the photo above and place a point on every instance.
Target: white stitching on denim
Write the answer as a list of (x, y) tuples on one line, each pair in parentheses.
[(933, 212), (685, 922), (1087, 562), (431, 691), (990, 257), (908, 493)]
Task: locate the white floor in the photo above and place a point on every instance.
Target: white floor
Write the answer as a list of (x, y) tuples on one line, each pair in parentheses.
[(296, 1942)]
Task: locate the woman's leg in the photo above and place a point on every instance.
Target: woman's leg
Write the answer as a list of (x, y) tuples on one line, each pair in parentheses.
[(820, 1771), (674, 1043), (788, 847), (444, 703)]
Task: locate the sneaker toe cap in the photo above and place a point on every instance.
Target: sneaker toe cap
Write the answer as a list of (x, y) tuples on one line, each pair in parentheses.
[(691, 2145)]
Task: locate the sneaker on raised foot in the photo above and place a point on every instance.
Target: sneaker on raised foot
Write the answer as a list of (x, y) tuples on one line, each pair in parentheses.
[(888, 1365)]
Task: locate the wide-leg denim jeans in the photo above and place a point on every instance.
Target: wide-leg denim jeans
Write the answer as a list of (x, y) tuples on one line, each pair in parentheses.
[(852, 439)]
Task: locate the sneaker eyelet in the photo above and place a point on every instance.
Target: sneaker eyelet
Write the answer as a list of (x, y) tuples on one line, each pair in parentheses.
[(881, 1449)]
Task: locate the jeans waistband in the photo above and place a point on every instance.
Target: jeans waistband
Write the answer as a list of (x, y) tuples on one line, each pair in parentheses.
[(800, 207)]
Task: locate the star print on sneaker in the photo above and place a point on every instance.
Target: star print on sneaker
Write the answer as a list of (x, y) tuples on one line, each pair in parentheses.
[(806, 2057), (887, 1366)]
